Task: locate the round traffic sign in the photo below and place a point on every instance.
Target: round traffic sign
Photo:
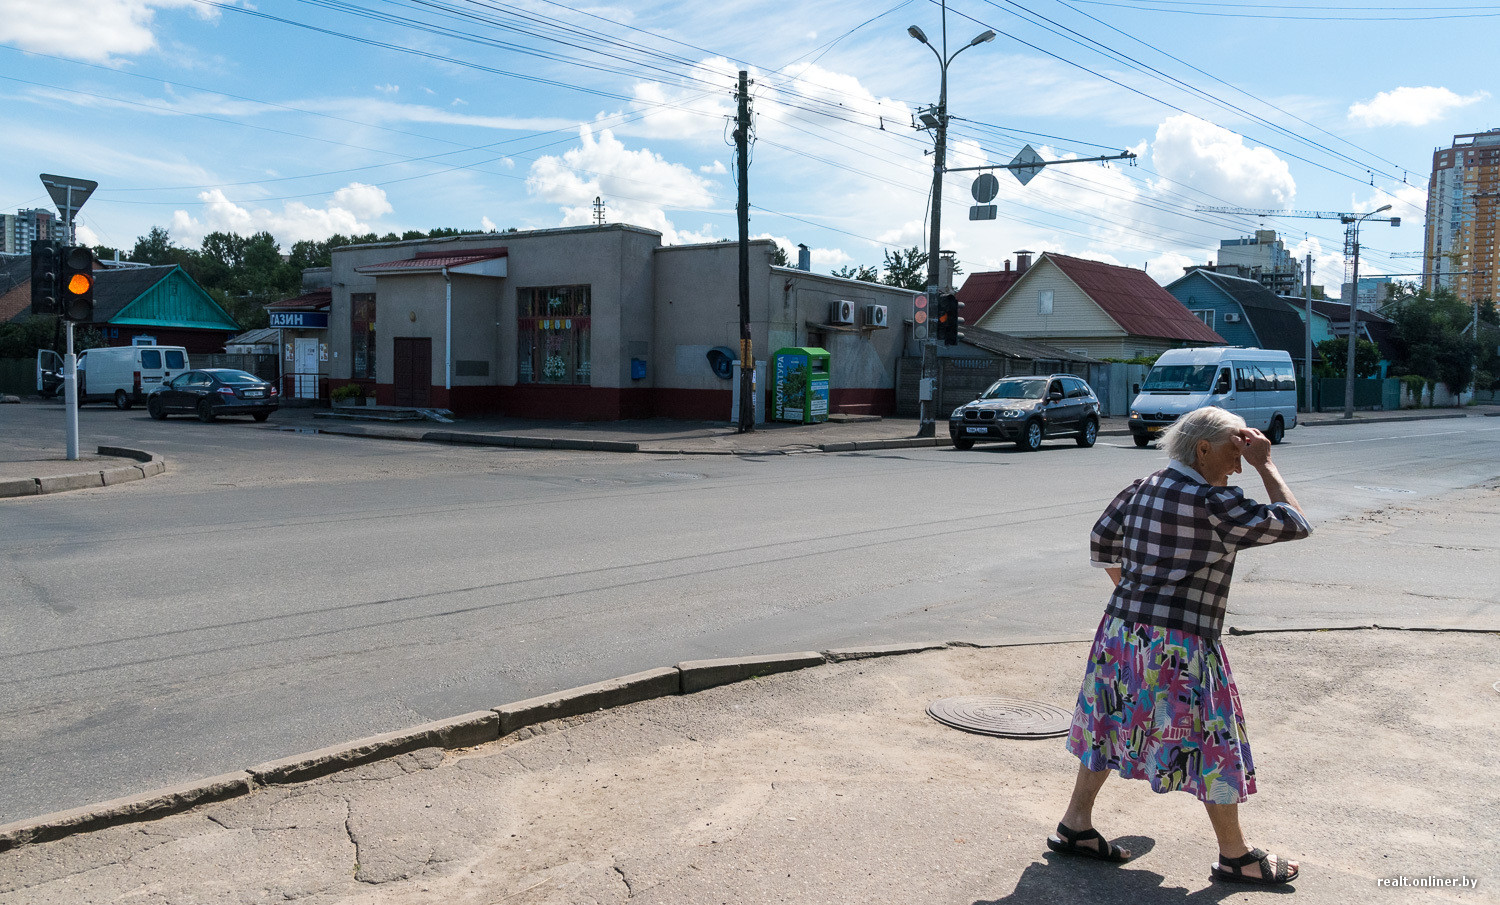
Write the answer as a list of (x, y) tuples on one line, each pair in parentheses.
[(986, 187)]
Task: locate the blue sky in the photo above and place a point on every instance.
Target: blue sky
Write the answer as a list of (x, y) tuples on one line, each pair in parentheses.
[(309, 117)]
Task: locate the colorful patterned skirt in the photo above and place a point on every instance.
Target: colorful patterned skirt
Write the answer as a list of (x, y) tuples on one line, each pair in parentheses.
[(1160, 705)]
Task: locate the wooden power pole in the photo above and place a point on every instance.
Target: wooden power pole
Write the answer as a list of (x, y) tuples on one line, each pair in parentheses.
[(742, 170)]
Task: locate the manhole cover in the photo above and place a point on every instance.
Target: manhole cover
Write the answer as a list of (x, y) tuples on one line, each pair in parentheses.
[(1005, 717)]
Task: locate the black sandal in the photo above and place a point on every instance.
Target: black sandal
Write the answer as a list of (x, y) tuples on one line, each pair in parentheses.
[(1070, 845), (1235, 872)]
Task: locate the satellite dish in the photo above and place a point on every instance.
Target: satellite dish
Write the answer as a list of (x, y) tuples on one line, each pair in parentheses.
[(721, 359)]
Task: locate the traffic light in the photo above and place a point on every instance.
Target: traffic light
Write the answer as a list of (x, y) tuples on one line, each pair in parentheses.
[(919, 325), (46, 264), (76, 283), (947, 318)]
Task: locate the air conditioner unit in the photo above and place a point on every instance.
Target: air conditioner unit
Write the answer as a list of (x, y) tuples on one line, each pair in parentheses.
[(875, 316), (1231, 318), (841, 312)]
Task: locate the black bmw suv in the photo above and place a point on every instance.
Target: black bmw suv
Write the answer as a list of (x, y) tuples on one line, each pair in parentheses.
[(1028, 410)]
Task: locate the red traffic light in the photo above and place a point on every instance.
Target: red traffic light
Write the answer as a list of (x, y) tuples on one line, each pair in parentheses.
[(919, 309)]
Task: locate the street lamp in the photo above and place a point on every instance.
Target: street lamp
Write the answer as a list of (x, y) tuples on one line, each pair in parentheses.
[(927, 427), (1353, 243)]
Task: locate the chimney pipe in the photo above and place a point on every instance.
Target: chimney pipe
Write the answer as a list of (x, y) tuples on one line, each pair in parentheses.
[(1023, 261), (1007, 265), (804, 257)]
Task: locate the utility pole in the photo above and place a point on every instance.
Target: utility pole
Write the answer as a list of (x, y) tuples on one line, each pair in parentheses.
[(939, 123), (1351, 251), (1307, 337), (742, 171)]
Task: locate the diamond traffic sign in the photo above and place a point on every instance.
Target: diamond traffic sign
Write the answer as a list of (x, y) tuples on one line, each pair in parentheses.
[(68, 193), (1026, 164)]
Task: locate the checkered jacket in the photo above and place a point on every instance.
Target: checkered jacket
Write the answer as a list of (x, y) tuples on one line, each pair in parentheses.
[(1174, 537)]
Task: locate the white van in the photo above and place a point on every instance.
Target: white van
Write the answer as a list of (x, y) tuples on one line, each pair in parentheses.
[(126, 375), (1259, 385)]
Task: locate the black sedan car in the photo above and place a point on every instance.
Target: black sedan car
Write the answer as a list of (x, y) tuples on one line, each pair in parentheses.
[(211, 392), (1028, 410)]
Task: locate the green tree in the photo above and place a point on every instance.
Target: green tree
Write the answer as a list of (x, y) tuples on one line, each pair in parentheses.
[(860, 272), (155, 248), (1430, 336), (1335, 358), (906, 268), (778, 256)]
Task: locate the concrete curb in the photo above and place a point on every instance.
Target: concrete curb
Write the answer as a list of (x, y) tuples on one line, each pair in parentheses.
[(700, 675), (130, 809), (458, 437), (1357, 627), (842, 654), (463, 731), (606, 695), (151, 464), (1434, 417)]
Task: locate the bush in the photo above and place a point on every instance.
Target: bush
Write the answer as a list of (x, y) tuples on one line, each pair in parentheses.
[(346, 392)]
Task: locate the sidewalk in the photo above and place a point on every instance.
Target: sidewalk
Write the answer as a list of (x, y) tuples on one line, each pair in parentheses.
[(831, 784)]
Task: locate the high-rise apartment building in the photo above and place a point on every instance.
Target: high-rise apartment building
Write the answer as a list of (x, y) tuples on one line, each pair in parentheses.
[(1463, 207), (1262, 257), (23, 226)]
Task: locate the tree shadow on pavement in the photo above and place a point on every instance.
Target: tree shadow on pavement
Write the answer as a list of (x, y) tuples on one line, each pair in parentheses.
[(1065, 880)]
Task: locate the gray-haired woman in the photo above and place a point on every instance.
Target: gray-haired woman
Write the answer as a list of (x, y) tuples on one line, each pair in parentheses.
[(1158, 701)]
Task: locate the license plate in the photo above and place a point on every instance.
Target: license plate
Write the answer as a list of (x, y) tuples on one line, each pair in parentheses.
[(253, 393), (978, 430), (1154, 430)]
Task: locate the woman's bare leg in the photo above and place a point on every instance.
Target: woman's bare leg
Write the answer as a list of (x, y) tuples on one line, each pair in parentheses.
[(1080, 813), (1226, 822)]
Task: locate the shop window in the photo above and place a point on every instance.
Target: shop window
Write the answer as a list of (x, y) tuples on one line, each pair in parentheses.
[(552, 332), (362, 335)]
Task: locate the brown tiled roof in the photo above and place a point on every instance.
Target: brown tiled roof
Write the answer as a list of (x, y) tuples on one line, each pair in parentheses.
[(311, 301), (436, 260), (982, 290), (1135, 301)]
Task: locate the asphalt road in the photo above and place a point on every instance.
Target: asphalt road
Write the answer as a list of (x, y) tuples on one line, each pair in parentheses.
[(276, 592)]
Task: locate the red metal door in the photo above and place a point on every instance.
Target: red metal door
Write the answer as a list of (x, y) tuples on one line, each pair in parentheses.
[(413, 377)]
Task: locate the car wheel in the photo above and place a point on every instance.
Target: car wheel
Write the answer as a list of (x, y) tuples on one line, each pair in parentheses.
[(1031, 438), (205, 411), (1089, 434), (1278, 431), (963, 443), (1142, 441), (261, 416), (154, 409), (122, 401)]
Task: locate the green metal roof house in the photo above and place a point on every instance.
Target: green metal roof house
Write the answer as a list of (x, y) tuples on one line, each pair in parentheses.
[(162, 303)]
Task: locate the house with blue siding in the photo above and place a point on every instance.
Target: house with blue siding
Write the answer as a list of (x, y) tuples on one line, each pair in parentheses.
[(158, 304), (1245, 312)]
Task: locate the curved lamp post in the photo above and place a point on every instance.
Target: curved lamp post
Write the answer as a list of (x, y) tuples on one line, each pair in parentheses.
[(1354, 223), (939, 124)]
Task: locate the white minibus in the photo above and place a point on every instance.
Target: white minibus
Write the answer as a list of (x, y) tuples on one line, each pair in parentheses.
[(1259, 385)]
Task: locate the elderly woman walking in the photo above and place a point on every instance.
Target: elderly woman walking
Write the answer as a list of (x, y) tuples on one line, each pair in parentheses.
[(1158, 701)]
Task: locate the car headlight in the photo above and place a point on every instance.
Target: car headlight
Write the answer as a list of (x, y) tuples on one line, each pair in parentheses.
[(957, 413), (1135, 415)]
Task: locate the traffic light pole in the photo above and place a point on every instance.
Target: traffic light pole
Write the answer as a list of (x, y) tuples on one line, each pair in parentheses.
[(70, 396)]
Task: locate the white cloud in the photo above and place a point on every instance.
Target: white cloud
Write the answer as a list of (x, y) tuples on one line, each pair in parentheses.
[(1168, 266), (637, 186), (1216, 161), (94, 30), (486, 224), (1410, 106), (716, 168), (348, 211), (388, 89)]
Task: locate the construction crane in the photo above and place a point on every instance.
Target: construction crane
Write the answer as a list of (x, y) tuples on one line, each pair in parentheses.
[(1351, 221), (1340, 216)]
